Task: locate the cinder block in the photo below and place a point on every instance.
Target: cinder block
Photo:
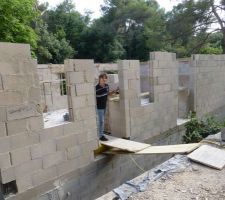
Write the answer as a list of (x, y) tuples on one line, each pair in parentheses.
[(72, 128), (17, 126), (43, 149), (82, 138), (13, 51), (54, 159), (134, 64), (83, 65), (65, 142), (2, 129), (3, 116), (51, 133), (123, 64), (20, 156), (7, 175), (68, 65), (35, 95), (135, 85), (73, 152), (24, 184), (76, 77), (90, 124), (79, 102), (10, 98), (22, 111), (85, 89), (36, 123), (43, 176), (88, 112), (4, 144), (5, 160), (66, 167), (90, 75), (28, 168), (16, 82), (24, 139), (92, 134), (91, 100)]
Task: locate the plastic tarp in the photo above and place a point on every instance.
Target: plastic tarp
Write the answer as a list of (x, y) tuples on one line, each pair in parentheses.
[(176, 164)]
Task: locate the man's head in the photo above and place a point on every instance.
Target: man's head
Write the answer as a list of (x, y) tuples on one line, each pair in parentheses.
[(102, 79)]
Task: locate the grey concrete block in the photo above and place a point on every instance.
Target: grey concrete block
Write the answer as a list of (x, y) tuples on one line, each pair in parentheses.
[(20, 156)]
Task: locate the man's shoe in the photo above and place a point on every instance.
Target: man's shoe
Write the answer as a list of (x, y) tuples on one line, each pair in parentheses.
[(103, 138)]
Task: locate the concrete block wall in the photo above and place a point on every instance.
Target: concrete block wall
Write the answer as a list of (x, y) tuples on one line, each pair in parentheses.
[(209, 83), (21, 117), (140, 122), (82, 104), (29, 154), (50, 83)]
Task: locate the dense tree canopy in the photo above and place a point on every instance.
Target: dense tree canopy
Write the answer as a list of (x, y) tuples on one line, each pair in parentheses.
[(16, 20), (127, 29), (191, 25)]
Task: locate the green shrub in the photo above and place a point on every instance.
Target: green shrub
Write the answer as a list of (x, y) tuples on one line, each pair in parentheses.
[(196, 129)]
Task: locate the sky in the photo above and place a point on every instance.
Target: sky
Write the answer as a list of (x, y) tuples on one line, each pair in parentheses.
[(94, 5)]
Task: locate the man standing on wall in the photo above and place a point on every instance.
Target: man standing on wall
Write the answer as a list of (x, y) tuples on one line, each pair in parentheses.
[(102, 92)]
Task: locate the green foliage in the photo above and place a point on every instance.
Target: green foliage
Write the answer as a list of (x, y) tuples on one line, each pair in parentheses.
[(16, 18), (65, 18), (196, 129), (192, 24), (52, 48), (139, 25)]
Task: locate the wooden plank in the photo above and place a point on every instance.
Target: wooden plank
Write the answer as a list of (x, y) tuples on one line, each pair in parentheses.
[(209, 156), (180, 148), (126, 145)]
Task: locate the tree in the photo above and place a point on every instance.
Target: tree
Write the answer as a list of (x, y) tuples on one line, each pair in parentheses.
[(99, 43), (139, 24), (52, 48), (65, 17), (16, 19), (196, 20)]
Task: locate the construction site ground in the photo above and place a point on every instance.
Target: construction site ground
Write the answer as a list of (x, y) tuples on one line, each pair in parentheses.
[(197, 182)]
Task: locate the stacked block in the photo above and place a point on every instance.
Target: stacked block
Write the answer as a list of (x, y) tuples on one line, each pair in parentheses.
[(209, 83), (80, 75), (141, 122), (20, 116), (29, 154)]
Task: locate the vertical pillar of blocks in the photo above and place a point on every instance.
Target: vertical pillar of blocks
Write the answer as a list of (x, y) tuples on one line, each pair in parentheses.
[(165, 79), (208, 73), (20, 111), (129, 84), (80, 77)]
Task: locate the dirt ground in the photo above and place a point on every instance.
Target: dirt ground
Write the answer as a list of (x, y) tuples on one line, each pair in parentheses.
[(196, 182)]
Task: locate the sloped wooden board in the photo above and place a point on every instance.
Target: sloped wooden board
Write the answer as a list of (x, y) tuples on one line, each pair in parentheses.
[(126, 145), (209, 156), (180, 148)]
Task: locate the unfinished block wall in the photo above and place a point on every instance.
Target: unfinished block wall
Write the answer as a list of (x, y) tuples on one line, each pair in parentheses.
[(20, 114), (29, 154), (142, 122), (209, 83), (51, 86)]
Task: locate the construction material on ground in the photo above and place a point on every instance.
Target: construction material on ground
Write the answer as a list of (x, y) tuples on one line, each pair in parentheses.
[(209, 156), (122, 146), (179, 148), (126, 145)]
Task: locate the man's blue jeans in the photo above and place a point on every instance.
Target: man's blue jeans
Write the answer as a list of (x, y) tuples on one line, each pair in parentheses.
[(101, 121)]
